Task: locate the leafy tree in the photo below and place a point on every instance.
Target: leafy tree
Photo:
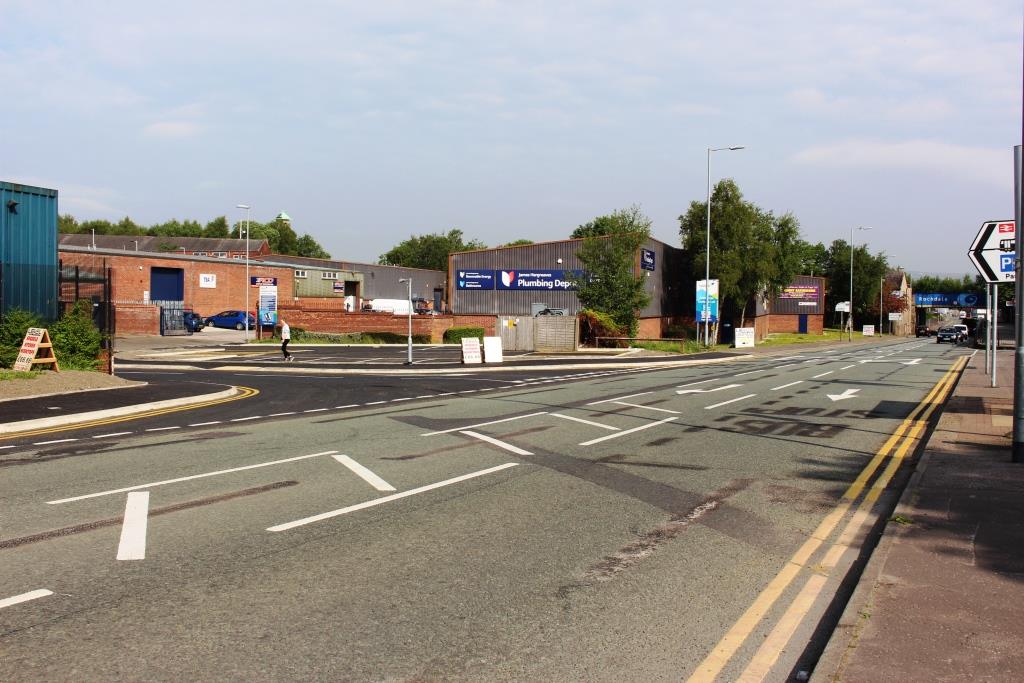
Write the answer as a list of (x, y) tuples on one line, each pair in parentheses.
[(868, 271), (101, 227), (67, 224), (428, 251), (754, 252), (309, 247), (931, 284), (76, 340), (13, 326), (516, 243), (218, 227), (286, 241), (609, 284)]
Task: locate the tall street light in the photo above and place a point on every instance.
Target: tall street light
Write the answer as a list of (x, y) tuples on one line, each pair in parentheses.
[(707, 255), (851, 278), (408, 281), (247, 208)]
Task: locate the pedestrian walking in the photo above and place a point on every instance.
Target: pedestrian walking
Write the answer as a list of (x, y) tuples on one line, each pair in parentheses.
[(286, 336)]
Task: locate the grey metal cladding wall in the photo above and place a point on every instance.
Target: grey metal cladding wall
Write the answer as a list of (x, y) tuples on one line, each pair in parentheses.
[(516, 302), (664, 284), (28, 249), (792, 306), (382, 282)]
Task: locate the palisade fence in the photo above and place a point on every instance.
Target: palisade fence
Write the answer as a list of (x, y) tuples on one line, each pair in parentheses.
[(90, 280)]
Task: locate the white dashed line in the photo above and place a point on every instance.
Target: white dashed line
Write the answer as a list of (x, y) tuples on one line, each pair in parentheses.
[(350, 405), (799, 381), (396, 400), (496, 442), (107, 436), (823, 374), (314, 410), (47, 443), (4, 448), (725, 403), (133, 530), (373, 403), (24, 597), (484, 424), (162, 429), (619, 398), (627, 431), (847, 367), (427, 396), (245, 419), (281, 414), (204, 424), (637, 405), (787, 365), (748, 372)]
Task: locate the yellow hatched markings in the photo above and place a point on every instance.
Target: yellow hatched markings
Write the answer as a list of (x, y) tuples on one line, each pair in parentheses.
[(766, 656), (243, 392)]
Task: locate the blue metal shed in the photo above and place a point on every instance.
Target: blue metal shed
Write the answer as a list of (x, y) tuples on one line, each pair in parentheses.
[(28, 249)]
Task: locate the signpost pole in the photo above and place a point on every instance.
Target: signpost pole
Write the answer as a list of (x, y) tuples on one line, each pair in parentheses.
[(1018, 357), (988, 327), (995, 330)]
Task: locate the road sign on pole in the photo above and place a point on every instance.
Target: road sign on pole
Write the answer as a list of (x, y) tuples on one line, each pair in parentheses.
[(992, 251)]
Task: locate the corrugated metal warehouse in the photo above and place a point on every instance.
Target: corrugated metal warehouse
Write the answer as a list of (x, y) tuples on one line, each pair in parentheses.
[(28, 249), (519, 280)]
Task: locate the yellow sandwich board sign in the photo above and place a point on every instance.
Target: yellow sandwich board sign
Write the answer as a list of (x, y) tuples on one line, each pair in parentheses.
[(36, 349)]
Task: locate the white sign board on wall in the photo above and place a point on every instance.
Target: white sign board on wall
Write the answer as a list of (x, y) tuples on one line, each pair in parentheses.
[(492, 350), (869, 330), (208, 280)]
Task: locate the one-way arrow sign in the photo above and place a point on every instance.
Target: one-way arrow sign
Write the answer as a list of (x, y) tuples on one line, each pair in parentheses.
[(988, 251)]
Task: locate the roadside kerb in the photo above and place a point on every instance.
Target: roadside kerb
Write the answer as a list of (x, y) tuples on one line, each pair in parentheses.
[(64, 420)]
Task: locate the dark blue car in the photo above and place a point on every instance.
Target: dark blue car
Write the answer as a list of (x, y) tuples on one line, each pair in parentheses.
[(231, 319)]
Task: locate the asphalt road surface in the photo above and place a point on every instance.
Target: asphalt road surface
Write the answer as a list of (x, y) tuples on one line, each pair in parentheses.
[(664, 524)]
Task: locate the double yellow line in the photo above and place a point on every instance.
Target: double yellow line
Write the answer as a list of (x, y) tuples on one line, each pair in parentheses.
[(768, 653), (244, 392)]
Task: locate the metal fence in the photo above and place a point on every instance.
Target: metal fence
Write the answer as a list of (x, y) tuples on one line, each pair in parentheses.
[(90, 281)]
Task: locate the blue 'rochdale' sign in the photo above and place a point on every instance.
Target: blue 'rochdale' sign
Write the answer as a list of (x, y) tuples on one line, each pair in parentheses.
[(962, 300)]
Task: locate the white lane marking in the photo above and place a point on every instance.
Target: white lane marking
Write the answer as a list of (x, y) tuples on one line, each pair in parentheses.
[(350, 405), (367, 476), (4, 448), (396, 400), (787, 365), (133, 530), (823, 374), (280, 414), (188, 478), (708, 391), (847, 367), (637, 405), (162, 429), (619, 398), (107, 436), (748, 372), (799, 381), (203, 424), (426, 396), (388, 499), (849, 393), (245, 419), (496, 442), (725, 403), (586, 422), (47, 443), (693, 384), (24, 597), (484, 424), (315, 410), (627, 431), (373, 403)]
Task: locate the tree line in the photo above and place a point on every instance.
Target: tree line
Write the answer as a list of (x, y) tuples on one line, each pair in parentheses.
[(279, 233)]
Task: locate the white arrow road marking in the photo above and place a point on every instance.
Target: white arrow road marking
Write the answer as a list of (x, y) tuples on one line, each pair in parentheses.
[(25, 597), (707, 391), (367, 476), (133, 529), (849, 393)]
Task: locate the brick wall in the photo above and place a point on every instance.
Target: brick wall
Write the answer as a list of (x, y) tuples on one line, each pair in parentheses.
[(137, 319), (791, 323), (488, 322), (333, 319), (131, 279)]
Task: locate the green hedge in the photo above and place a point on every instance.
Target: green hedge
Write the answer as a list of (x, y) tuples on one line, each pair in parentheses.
[(300, 336), (12, 332), (76, 341), (455, 335)]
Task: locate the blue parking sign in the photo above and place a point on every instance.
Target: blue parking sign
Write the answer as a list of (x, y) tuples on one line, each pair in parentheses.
[(1006, 263)]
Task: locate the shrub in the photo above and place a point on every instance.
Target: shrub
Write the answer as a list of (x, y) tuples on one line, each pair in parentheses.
[(12, 332), (455, 335), (594, 324), (75, 338), (304, 337)]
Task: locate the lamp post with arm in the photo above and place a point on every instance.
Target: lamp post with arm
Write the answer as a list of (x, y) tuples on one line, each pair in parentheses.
[(851, 279), (247, 208), (707, 244)]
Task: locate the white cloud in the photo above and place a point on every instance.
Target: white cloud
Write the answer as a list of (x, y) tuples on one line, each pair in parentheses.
[(172, 129), (981, 164)]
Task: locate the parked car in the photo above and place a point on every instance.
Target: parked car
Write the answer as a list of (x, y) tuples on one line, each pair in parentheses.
[(231, 319), (194, 322), (948, 334), (923, 331)]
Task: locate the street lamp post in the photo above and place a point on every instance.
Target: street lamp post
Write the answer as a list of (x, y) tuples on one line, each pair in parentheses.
[(408, 360), (247, 208), (707, 253), (850, 314)]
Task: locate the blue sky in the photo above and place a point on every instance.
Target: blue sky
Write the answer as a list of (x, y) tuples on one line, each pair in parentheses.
[(370, 122)]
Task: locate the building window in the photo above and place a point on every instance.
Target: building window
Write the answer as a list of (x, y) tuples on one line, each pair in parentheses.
[(220, 254), (238, 256), (328, 275), (300, 273), (200, 253)]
